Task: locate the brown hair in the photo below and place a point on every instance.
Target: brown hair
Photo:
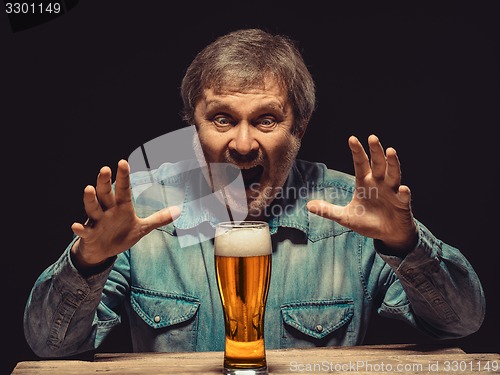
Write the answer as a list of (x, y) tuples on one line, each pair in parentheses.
[(244, 58)]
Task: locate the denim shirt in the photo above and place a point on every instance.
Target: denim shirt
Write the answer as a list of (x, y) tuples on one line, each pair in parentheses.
[(325, 281)]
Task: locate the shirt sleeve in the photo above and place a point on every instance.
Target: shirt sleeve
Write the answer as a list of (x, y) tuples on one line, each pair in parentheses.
[(436, 289), (65, 313)]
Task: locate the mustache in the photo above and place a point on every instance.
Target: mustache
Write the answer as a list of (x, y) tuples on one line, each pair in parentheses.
[(234, 157)]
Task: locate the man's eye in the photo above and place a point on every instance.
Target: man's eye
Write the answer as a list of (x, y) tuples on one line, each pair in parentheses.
[(222, 121), (267, 122)]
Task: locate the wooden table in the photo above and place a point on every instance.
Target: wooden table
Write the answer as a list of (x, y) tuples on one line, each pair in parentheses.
[(374, 360)]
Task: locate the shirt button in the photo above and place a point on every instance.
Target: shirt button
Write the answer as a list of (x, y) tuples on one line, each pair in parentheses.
[(157, 318), (319, 328)]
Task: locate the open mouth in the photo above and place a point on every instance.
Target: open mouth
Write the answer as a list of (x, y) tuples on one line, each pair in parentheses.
[(252, 175)]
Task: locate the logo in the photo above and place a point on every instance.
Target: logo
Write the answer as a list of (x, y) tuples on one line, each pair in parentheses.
[(170, 170)]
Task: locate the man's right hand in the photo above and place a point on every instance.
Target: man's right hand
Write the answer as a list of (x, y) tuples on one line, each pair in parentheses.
[(112, 225)]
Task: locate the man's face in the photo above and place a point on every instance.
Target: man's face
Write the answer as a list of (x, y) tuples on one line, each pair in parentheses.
[(251, 129)]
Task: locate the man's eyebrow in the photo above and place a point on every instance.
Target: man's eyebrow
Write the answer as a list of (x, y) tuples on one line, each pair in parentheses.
[(274, 106)]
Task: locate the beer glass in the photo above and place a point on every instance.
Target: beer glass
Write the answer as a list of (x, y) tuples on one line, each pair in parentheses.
[(243, 268)]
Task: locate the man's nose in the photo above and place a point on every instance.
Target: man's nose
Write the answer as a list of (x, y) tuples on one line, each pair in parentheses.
[(243, 141)]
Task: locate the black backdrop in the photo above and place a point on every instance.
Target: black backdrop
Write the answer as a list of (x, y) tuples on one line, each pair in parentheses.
[(88, 87)]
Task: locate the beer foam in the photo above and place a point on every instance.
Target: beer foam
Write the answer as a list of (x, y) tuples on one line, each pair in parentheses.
[(243, 242)]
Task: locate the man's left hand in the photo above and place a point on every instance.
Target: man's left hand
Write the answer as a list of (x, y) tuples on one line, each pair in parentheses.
[(380, 207)]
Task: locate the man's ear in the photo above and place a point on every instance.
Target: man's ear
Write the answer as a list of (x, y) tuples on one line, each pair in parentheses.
[(302, 130)]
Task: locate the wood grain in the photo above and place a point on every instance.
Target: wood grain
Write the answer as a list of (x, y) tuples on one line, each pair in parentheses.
[(373, 359)]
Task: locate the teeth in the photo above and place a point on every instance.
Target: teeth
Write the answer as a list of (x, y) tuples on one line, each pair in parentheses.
[(248, 167)]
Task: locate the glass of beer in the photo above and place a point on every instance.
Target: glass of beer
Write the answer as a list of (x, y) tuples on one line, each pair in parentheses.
[(243, 267)]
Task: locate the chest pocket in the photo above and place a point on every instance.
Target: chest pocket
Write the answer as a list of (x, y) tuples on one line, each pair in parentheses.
[(173, 317), (316, 323)]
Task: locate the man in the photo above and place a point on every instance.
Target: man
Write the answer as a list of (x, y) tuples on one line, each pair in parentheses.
[(339, 242)]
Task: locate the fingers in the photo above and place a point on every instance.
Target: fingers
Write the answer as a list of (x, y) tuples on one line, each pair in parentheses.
[(325, 209), (102, 197), (122, 184), (359, 158), (378, 162), (160, 218), (393, 172), (404, 194), (91, 204), (78, 229), (92, 208), (104, 188), (382, 165)]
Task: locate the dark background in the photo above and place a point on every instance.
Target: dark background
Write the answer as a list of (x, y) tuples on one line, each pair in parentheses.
[(86, 88)]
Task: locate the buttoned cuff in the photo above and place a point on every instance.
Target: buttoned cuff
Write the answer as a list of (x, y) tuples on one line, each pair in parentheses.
[(75, 291), (68, 278), (425, 251)]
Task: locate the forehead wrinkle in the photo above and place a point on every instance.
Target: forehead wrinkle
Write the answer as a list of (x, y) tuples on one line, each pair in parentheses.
[(271, 105), (257, 101)]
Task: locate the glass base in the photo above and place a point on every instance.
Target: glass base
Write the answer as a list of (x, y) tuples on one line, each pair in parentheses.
[(245, 371)]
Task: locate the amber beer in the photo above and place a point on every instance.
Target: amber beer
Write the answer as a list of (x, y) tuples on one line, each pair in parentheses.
[(243, 267)]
